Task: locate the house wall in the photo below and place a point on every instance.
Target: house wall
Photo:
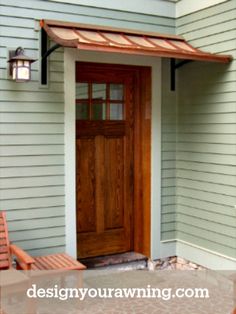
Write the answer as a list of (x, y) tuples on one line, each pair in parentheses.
[(206, 137), (184, 7), (159, 8), (184, 13), (32, 172), (198, 217)]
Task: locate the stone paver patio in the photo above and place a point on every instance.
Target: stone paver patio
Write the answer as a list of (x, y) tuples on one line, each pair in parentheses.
[(219, 285)]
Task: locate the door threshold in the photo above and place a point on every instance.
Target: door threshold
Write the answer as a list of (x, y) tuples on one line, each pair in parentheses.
[(119, 259)]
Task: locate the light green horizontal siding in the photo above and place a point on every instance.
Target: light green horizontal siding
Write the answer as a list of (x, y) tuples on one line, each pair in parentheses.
[(20, 161), (29, 95), (206, 167), (30, 128), (21, 172), (36, 234), (24, 117), (77, 13), (46, 181), (31, 150), (193, 184), (201, 239), (206, 206), (44, 225), (209, 138), (203, 195), (206, 134), (207, 177), (168, 182), (33, 202), (34, 139), (220, 159), (32, 120), (54, 86), (29, 192), (208, 16)]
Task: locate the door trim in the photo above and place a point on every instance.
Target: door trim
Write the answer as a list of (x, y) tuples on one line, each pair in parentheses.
[(142, 163), (151, 245)]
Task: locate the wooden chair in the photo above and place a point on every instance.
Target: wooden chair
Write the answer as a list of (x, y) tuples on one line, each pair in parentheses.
[(12, 282), (60, 261), (7, 250)]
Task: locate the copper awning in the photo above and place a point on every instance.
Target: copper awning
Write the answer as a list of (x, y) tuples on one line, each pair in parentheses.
[(86, 37)]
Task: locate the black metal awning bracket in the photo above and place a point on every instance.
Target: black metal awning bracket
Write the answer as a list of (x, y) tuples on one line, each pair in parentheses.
[(173, 67), (45, 52)]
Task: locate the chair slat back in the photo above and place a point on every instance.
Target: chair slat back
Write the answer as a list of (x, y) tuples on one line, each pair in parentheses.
[(5, 260)]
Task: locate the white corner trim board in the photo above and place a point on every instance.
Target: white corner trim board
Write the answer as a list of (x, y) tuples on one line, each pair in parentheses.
[(184, 7)]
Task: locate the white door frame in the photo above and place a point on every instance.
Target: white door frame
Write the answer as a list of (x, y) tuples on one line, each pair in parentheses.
[(72, 55)]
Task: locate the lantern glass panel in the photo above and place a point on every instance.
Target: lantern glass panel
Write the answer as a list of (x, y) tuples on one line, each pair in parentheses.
[(14, 71), (26, 63), (23, 73)]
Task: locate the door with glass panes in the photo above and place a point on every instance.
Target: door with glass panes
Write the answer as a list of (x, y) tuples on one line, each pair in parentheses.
[(104, 158)]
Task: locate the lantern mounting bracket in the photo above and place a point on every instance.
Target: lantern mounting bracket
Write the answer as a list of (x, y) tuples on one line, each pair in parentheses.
[(17, 52), (45, 52)]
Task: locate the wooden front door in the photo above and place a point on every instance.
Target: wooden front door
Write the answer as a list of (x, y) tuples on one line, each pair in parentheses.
[(105, 159)]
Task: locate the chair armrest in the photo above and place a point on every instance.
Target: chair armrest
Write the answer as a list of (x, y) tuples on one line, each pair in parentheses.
[(23, 260)]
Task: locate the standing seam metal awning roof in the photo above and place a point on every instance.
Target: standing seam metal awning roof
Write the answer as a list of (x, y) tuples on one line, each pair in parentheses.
[(86, 37)]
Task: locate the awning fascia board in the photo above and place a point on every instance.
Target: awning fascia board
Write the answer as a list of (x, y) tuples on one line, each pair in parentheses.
[(173, 46), (159, 53)]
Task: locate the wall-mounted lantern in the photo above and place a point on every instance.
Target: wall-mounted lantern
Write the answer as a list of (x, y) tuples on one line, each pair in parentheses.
[(20, 65)]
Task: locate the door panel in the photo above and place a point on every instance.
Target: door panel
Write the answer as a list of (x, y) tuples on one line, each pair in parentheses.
[(105, 159), (85, 181), (114, 182)]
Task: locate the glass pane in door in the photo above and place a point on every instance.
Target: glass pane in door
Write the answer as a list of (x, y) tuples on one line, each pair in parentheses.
[(116, 91), (82, 111), (116, 111), (98, 111), (98, 92), (82, 91)]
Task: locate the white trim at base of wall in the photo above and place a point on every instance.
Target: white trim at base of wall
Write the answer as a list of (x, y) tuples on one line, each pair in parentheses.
[(167, 249), (200, 255)]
